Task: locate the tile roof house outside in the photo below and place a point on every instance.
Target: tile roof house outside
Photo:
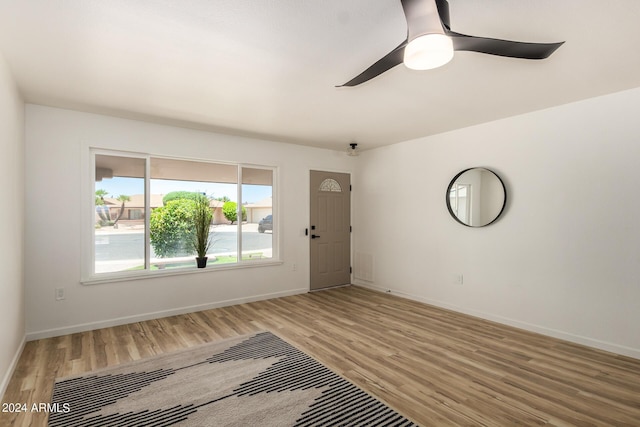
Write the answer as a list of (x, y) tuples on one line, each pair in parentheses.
[(257, 211), (134, 209)]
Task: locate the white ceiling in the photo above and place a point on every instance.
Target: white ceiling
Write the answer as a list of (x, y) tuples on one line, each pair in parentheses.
[(267, 68)]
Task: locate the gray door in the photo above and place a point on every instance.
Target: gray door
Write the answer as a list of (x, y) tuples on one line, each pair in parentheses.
[(330, 233)]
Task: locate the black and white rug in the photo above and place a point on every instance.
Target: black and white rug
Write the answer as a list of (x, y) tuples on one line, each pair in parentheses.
[(254, 380)]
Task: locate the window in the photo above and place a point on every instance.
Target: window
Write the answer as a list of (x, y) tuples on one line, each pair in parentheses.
[(118, 247), (257, 210), (330, 185), (142, 214)]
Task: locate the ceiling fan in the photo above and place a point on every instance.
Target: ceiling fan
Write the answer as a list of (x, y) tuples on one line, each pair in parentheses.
[(430, 42)]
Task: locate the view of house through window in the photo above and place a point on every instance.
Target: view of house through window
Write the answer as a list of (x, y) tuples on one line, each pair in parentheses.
[(134, 231)]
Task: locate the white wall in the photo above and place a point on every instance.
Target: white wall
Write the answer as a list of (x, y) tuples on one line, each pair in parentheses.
[(563, 260), (57, 144), (12, 329)]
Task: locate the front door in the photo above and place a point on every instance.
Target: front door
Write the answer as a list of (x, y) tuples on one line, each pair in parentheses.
[(330, 233)]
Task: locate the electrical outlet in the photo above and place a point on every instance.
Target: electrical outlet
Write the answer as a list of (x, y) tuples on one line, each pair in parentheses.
[(294, 267), (59, 294), (459, 279)]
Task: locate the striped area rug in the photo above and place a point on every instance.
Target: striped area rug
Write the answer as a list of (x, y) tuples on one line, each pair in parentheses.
[(254, 380)]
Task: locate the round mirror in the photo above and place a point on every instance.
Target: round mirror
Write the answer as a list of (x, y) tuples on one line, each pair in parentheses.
[(476, 197)]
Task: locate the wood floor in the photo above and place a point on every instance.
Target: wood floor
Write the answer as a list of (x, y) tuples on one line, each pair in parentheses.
[(434, 366)]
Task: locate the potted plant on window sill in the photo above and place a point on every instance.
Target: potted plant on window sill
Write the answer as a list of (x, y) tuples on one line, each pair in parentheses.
[(202, 216)]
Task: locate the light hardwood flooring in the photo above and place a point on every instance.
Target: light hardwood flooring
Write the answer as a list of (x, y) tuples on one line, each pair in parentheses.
[(434, 366)]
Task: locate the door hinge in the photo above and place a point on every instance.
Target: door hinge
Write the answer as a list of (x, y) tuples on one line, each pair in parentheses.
[(350, 229), (350, 270), (350, 187)]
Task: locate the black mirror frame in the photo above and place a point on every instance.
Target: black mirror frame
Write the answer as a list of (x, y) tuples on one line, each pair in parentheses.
[(448, 201)]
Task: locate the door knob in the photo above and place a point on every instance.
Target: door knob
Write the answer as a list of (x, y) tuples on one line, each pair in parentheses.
[(314, 236)]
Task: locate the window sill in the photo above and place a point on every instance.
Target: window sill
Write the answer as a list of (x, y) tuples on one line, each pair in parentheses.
[(144, 275)]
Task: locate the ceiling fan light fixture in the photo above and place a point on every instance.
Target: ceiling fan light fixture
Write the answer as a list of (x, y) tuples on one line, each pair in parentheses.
[(428, 51)]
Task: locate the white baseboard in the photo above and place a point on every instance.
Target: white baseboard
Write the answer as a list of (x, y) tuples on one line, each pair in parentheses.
[(156, 315), (12, 367), (578, 339)]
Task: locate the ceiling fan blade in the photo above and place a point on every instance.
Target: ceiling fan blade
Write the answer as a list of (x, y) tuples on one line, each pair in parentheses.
[(443, 11), (387, 62), (512, 49)]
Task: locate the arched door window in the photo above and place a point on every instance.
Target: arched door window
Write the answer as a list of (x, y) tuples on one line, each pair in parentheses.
[(330, 185)]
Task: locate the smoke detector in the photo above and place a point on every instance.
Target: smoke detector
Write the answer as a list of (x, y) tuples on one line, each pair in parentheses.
[(353, 149)]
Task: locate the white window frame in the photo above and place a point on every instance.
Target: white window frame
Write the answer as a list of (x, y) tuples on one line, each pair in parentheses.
[(88, 275)]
